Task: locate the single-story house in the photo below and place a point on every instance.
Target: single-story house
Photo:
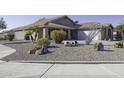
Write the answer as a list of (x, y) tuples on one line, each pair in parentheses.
[(5, 32), (75, 31)]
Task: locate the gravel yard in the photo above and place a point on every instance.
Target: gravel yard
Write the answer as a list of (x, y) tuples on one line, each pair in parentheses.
[(79, 53)]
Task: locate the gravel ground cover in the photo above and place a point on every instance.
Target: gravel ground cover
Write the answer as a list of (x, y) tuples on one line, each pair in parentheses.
[(62, 53)]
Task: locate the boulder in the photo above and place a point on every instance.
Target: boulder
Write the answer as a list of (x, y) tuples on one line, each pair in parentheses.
[(38, 52), (31, 51), (44, 50), (99, 46)]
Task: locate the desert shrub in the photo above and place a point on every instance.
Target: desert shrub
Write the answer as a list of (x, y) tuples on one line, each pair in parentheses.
[(42, 42), (99, 46), (58, 35), (118, 45), (10, 37)]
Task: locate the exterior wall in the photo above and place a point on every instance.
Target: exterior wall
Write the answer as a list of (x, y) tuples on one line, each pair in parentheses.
[(1, 35), (114, 33), (20, 35), (45, 33), (82, 35)]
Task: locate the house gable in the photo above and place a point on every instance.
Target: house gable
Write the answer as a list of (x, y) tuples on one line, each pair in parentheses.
[(64, 21)]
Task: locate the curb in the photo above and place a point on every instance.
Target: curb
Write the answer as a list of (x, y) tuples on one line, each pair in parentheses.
[(16, 42), (68, 62)]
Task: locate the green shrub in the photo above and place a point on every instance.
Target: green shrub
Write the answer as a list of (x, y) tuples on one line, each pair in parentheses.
[(58, 35), (42, 42), (5, 37), (10, 37), (118, 45), (118, 37)]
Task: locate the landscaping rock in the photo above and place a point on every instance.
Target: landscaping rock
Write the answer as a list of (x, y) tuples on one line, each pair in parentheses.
[(31, 51), (44, 50), (80, 53), (38, 52), (99, 46)]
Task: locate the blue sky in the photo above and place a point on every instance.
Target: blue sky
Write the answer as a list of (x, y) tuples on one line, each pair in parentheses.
[(20, 20)]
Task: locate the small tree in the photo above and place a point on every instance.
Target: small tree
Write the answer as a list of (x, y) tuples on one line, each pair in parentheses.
[(58, 35), (2, 24), (32, 30), (120, 28)]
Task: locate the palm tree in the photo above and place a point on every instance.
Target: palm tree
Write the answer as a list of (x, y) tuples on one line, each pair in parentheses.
[(29, 33), (34, 30)]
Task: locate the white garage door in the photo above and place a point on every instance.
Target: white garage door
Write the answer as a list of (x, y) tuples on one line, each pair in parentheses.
[(82, 35), (20, 35)]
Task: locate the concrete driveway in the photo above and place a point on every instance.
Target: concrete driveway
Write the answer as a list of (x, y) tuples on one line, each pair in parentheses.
[(5, 51)]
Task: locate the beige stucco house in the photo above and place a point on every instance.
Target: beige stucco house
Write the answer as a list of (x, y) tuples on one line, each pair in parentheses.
[(74, 30)]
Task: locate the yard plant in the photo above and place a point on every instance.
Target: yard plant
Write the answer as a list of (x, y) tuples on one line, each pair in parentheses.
[(120, 29), (2, 24), (58, 35), (10, 37), (118, 45), (33, 30), (42, 42)]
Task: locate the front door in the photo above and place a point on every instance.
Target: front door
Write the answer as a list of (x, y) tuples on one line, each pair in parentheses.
[(74, 35)]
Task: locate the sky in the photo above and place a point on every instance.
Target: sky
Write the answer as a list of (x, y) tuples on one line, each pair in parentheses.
[(13, 21)]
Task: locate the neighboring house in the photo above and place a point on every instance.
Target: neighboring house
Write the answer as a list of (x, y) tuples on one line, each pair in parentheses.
[(74, 31), (3, 33)]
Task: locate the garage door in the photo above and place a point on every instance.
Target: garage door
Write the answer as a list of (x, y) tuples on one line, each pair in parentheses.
[(20, 35), (82, 35)]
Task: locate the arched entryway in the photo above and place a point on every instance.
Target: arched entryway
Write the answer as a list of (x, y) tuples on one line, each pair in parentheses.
[(107, 34)]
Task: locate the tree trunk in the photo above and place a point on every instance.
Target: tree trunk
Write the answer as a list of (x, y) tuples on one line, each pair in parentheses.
[(32, 39), (35, 36)]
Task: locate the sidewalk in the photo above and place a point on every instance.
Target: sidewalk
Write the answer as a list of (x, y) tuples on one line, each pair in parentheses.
[(43, 70)]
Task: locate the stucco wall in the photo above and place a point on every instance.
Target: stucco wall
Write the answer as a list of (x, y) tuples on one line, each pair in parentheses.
[(20, 35), (1, 35)]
